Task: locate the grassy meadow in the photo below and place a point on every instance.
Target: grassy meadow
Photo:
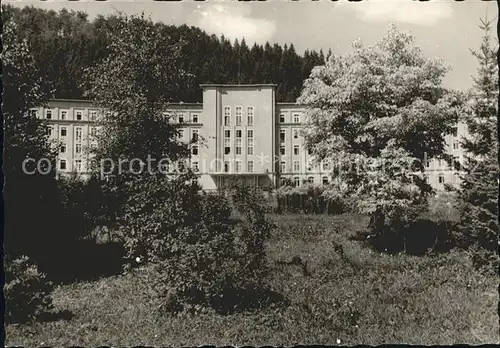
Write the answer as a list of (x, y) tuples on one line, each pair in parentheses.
[(342, 292)]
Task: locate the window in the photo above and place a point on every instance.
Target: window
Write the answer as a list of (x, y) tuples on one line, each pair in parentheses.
[(79, 115), (250, 116), (325, 180), (93, 115), (181, 133), (250, 146), (238, 146), (310, 180), (239, 113), (427, 163), (295, 149), (195, 135), (194, 149), (63, 148), (250, 166), (181, 118), (64, 131), (195, 167), (227, 115), (78, 134), (227, 141), (296, 181), (34, 113), (64, 114), (62, 164), (295, 134), (282, 135), (49, 131), (195, 118), (48, 114), (454, 131), (456, 145), (282, 150), (441, 178), (283, 167), (282, 181), (78, 148), (238, 166), (238, 133), (326, 166), (250, 142), (296, 166), (282, 118), (78, 165), (226, 167), (309, 166), (296, 118)]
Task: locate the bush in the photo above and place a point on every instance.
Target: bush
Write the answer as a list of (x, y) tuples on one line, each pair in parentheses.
[(309, 199), (253, 232), (201, 257), (27, 292)]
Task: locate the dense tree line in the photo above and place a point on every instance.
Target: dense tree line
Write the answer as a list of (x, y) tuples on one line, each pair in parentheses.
[(64, 43)]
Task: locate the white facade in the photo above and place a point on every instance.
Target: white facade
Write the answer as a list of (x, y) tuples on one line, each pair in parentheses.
[(242, 133)]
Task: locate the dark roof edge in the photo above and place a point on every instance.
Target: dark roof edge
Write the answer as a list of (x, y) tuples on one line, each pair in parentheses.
[(91, 102), (236, 85)]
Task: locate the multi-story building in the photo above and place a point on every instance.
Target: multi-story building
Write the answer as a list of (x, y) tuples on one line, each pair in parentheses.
[(240, 132)]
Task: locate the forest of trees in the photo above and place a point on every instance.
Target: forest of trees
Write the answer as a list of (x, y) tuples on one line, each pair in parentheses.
[(65, 43)]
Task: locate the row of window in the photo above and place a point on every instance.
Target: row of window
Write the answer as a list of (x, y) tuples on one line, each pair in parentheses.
[(78, 132), (63, 114), (441, 178), (442, 162), (296, 150), (238, 142), (238, 167), (296, 166), (239, 115), (283, 135), (295, 118), (63, 165), (310, 180), (182, 119)]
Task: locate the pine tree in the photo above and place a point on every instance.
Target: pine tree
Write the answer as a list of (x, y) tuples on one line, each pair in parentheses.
[(479, 189)]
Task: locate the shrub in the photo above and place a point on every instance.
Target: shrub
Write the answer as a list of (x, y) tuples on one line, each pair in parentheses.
[(201, 258), (253, 232), (309, 199), (27, 292)]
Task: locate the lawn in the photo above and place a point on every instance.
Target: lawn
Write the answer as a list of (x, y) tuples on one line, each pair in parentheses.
[(349, 294)]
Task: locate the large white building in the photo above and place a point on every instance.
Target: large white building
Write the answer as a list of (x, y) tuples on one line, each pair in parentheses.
[(242, 133)]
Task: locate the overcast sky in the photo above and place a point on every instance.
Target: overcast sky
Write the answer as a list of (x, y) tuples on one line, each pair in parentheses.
[(443, 28)]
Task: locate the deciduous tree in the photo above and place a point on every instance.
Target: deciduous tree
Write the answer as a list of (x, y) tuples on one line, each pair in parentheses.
[(376, 114)]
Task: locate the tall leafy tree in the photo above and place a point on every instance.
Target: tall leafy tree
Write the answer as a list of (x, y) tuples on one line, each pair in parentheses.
[(134, 84), (375, 114), (30, 192), (479, 189)]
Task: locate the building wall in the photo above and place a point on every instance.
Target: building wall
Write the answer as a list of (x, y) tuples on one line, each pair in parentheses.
[(265, 165)]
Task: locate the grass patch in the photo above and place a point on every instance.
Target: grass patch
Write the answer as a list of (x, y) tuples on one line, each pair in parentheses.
[(349, 292)]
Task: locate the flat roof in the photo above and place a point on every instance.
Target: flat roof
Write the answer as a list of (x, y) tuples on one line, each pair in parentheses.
[(90, 102), (70, 100), (238, 85)]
